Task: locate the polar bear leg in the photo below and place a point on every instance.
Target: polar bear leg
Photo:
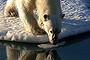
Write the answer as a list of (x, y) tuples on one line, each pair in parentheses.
[(10, 9), (25, 11)]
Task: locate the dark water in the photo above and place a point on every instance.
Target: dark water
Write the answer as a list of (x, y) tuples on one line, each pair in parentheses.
[(76, 48)]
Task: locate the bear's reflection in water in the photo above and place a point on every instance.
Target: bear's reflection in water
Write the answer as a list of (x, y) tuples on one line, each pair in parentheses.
[(13, 54)]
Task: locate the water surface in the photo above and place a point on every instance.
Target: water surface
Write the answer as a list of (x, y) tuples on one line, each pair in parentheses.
[(76, 48)]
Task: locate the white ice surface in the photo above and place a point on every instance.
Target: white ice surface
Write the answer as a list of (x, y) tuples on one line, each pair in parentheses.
[(76, 20)]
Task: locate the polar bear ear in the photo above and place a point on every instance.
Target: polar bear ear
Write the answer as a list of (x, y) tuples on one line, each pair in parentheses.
[(62, 16), (46, 17)]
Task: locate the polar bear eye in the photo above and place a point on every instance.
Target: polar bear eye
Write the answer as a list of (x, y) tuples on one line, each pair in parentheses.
[(45, 17)]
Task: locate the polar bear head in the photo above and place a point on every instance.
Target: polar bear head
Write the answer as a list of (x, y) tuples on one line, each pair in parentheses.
[(52, 26), (50, 17)]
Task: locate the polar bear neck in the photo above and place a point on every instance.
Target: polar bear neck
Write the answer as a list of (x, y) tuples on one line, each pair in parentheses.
[(53, 6), (49, 6)]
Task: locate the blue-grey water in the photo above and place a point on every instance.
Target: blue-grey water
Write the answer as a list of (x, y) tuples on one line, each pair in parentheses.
[(76, 48)]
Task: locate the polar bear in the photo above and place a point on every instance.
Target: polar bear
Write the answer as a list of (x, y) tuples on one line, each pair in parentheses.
[(49, 16)]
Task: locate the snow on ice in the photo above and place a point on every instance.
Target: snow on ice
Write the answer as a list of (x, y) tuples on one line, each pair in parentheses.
[(76, 20)]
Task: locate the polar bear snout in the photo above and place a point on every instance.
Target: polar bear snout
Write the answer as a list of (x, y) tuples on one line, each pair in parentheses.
[(52, 26), (54, 39), (52, 35)]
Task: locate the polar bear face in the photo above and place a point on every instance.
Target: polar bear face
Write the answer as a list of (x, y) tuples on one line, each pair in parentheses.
[(52, 26), (50, 17)]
